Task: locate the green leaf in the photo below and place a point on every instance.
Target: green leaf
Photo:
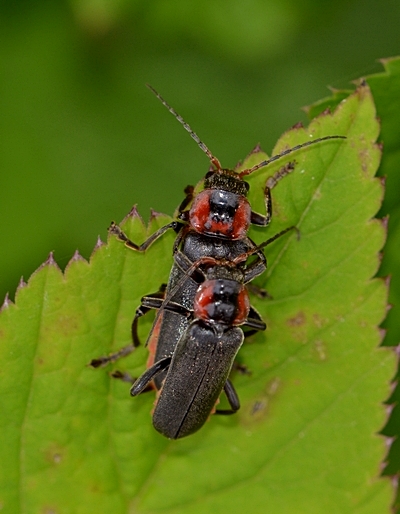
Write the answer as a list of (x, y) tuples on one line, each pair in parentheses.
[(385, 87), (305, 440)]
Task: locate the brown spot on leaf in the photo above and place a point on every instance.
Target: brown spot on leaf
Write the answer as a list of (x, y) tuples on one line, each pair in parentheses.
[(259, 408), (298, 320)]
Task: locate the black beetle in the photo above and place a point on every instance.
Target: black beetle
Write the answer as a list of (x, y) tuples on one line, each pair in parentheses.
[(198, 370)]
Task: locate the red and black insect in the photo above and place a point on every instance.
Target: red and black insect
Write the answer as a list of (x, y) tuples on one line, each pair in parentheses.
[(210, 224), (198, 370)]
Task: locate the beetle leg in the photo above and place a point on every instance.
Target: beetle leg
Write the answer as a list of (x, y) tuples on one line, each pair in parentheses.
[(258, 291), (128, 349), (257, 267), (233, 399), (149, 302), (255, 322), (144, 380), (278, 175), (188, 198), (123, 375), (115, 229), (103, 361), (260, 219), (278, 235), (145, 306), (127, 377), (187, 266), (240, 368)]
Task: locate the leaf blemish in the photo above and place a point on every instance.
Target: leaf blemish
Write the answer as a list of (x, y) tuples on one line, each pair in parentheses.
[(317, 194), (54, 454), (320, 350), (298, 320), (259, 408), (318, 321)]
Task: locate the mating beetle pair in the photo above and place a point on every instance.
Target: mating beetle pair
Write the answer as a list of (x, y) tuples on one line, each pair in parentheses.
[(196, 334)]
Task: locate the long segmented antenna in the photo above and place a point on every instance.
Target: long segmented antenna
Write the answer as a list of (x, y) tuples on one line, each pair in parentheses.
[(215, 161), (286, 152), (187, 127)]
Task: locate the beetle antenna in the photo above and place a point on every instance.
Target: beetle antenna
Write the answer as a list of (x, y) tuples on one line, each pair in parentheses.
[(187, 127), (286, 152)]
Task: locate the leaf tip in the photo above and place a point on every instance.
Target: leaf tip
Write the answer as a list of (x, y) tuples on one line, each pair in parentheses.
[(133, 213), (154, 215), (387, 280), (362, 90), (389, 409), (99, 243), (326, 112), (238, 164), (388, 441), (385, 222), (75, 258), (257, 149), (6, 303), (298, 125), (21, 284), (50, 261), (382, 333), (394, 383)]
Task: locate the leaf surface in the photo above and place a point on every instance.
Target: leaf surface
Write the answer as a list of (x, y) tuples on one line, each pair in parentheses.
[(385, 87), (305, 440)]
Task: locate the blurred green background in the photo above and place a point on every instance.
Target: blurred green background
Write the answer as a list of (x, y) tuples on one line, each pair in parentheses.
[(82, 139)]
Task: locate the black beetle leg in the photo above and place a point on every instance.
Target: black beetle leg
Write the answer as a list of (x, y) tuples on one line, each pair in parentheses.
[(233, 399), (144, 380), (278, 175), (255, 322), (128, 349), (189, 192), (278, 235), (127, 377), (258, 291), (115, 229), (260, 219), (103, 361), (124, 376)]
